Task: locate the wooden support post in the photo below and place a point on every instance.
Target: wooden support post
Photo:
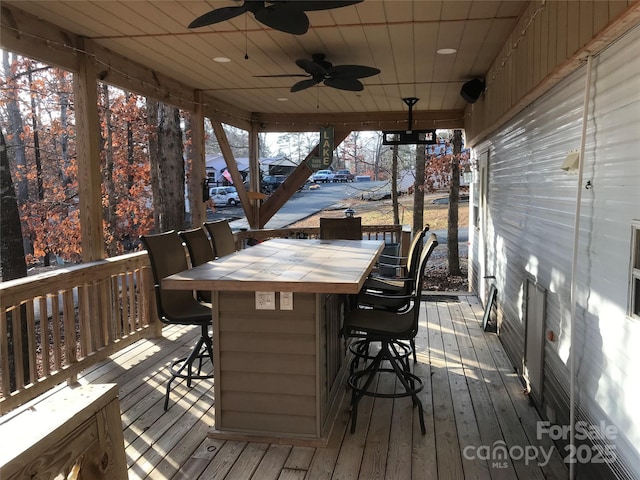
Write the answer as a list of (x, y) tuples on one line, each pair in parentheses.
[(88, 149), (223, 142)]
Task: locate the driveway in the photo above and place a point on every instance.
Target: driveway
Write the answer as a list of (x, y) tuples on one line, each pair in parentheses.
[(301, 205)]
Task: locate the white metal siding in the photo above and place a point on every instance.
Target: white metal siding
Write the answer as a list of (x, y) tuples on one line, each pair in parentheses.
[(530, 231)]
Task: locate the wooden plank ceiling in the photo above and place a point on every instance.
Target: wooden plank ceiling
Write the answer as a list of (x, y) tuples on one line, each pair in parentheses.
[(398, 37)]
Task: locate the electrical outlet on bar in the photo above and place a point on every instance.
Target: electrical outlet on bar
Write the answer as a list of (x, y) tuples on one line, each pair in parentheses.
[(265, 300)]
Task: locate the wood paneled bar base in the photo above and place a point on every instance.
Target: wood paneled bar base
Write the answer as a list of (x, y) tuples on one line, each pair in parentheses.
[(277, 312)]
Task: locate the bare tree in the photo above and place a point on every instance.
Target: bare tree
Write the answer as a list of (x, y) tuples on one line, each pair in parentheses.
[(108, 167), (166, 154), (394, 185), (418, 191), (453, 255), (15, 133), (12, 262)]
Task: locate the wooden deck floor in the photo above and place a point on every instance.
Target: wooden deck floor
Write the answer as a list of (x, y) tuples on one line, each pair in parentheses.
[(473, 405)]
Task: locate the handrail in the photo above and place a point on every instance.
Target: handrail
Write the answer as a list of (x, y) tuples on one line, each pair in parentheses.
[(84, 313)]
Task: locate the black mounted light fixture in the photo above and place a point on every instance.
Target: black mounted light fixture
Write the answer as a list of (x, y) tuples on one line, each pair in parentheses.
[(409, 136), (472, 90)]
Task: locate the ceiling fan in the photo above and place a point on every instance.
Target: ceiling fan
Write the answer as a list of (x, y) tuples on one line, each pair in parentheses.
[(285, 16), (342, 77)]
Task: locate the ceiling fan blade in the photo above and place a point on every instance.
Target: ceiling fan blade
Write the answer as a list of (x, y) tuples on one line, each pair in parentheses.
[(309, 6), (352, 71), (304, 84), (281, 75), (218, 15), (284, 17), (350, 84), (311, 67)]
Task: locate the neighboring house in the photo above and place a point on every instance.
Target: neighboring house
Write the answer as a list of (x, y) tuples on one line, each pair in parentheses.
[(522, 239), (216, 166)]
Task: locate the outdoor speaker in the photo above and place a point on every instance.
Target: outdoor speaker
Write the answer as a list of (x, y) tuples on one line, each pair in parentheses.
[(472, 90)]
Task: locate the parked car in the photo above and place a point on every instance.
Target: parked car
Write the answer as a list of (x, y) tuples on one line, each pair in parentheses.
[(343, 176), (224, 195), (323, 176), (271, 182)]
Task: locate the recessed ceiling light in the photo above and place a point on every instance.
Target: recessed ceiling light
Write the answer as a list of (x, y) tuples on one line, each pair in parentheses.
[(283, 99), (447, 51), (221, 59)]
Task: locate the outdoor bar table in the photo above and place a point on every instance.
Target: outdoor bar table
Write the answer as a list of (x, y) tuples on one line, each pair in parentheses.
[(278, 308)]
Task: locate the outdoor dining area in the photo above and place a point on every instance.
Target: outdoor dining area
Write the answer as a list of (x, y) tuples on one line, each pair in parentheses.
[(291, 358)]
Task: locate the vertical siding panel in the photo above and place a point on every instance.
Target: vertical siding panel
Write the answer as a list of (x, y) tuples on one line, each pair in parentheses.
[(562, 27), (600, 15), (551, 12), (533, 52), (530, 232), (586, 22), (543, 45), (616, 7), (573, 28)]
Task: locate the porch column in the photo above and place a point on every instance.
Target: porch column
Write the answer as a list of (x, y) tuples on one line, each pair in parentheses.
[(88, 150), (254, 174)]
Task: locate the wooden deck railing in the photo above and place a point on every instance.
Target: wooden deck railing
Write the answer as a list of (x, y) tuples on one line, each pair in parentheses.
[(389, 233), (54, 325)]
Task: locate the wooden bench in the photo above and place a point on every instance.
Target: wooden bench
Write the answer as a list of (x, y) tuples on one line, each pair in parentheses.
[(76, 432)]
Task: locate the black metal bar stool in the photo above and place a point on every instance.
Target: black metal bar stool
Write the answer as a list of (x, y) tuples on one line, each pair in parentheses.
[(389, 329)]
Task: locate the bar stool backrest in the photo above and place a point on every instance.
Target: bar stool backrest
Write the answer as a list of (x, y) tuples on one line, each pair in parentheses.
[(200, 251), (347, 228), (167, 256), (222, 237)]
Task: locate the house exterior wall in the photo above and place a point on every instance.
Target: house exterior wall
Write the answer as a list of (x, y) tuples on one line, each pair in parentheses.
[(528, 236)]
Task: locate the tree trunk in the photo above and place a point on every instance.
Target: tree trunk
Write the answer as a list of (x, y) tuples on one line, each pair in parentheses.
[(12, 262), (194, 198), (36, 139), (418, 191), (169, 167), (453, 255), (152, 121), (64, 139), (15, 131), (394, 185), (110, 191)]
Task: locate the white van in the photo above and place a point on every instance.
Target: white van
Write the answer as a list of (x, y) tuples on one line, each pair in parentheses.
[(224, 195)]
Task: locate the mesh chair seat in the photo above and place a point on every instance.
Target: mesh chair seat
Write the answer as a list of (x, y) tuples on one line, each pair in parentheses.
[(167, 256)]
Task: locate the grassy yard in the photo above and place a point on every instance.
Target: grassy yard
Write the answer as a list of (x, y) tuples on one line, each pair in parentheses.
[(380, 212)]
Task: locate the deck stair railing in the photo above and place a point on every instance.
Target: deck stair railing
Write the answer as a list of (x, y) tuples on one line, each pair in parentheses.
[(53, 325)]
